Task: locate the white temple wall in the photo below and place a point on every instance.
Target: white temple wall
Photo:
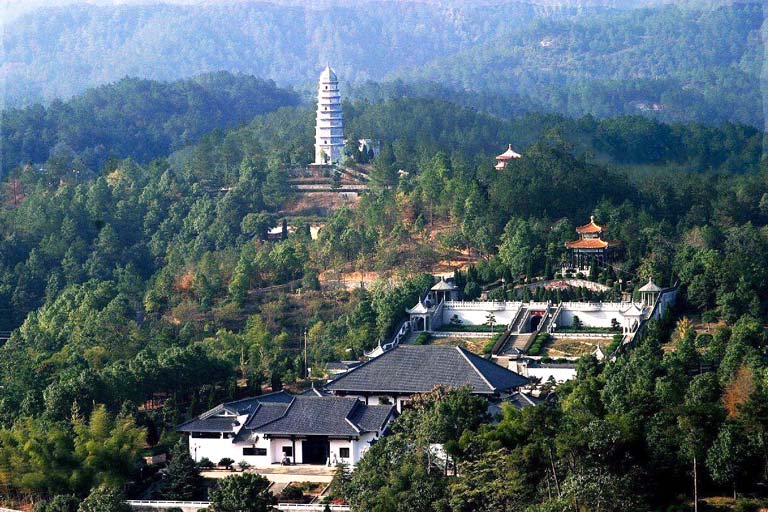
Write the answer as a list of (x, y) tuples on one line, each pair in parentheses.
[(213, 449), (478, 316), (559, 374), (397, 401), (276, 445), (589, 318), (217, 449)]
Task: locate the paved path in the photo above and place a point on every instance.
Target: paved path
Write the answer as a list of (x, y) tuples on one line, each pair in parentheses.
[(283, 475)]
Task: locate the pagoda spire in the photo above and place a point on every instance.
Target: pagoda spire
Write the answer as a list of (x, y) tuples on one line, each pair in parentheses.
[(329, 130)]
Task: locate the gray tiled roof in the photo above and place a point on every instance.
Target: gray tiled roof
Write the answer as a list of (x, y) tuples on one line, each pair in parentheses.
[(216, 424), (521, 401), (371, 418), (303, 415), (342, 365), (418, 369), (266, 413), (214, 420), (315, 415), (313, 391)]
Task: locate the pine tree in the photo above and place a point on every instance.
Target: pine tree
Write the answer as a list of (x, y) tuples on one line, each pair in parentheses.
[(183, 479)]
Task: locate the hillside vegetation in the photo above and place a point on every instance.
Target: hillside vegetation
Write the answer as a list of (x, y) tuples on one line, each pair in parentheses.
[(59, 52), (699, 62), (141, 119), (137, 283), (692, 64)]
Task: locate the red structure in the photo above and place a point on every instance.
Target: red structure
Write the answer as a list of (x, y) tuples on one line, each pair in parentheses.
[(592, 245)]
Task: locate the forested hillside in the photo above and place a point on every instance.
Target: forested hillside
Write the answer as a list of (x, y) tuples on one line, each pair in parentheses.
[(691, 62), (151, 280), (135, 118), (60, 51)]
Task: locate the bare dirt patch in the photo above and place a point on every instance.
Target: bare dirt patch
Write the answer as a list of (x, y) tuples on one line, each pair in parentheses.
[(319, 203), (573, 347), (474, 345)]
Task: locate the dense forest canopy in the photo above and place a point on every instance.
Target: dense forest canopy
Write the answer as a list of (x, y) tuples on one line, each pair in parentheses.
[(141, 119), (680, 62), (60, 51), (149, 277), (692, 65)]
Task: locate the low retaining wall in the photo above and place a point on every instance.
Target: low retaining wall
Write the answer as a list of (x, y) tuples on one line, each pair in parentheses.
[(287, 507), (151, 505), (462, 334)]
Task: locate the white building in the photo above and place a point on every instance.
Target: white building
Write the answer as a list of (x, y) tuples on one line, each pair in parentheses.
[(282, 428), (329, 130)]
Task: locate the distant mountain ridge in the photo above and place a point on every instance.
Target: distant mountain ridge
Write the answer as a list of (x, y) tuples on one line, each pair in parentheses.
[(572, 57), (672, 63), (58, 52), (140, 119)]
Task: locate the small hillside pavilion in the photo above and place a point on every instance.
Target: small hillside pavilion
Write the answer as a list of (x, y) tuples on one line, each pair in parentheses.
[(591, 246), (419, 317), (508, 155), (649, 293), (444, 290), (329, 130)]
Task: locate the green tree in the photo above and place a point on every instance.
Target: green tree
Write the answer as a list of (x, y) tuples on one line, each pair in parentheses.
[(248, 492), (491, 483), (104, 499), (59, 503), (108, 448), (183, 481), (729, 457), (340, 482)]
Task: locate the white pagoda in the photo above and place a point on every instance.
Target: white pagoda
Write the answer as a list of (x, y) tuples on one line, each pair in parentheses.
[(329, 131)]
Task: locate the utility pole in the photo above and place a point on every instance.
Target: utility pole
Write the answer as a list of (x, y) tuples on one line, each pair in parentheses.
[(306, 368)]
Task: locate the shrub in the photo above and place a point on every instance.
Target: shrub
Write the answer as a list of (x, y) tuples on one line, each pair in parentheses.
[(422, 339), (746, 506), (703, 340), (339, 486), (538, 344), (472, 290), (205, 463), (226, 462), (488, 347), (293, 493), (59, 503), (244, 465)]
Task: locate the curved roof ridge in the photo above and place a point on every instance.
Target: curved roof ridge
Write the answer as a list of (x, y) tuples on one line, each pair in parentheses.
[(285, 412), (591, 226), (463, 352), (650, 286)]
